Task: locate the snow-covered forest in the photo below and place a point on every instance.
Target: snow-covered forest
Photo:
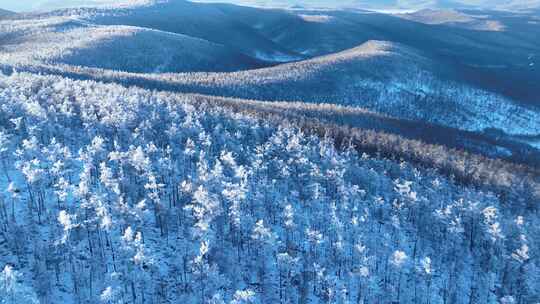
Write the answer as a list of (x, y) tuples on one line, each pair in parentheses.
[(165, 151), (120, 195), (385, 77)]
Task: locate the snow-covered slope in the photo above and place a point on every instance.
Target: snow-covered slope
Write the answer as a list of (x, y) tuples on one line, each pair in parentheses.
[(217, 23), (5, 13), (125, 181), (379, 76), (392, 5), (383, 77), (493, 58), (455, 18), (65, 40), (123, 195)]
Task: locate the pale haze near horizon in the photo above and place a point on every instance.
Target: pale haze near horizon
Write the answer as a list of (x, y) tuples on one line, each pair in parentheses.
[(30, 5), (22, 5)]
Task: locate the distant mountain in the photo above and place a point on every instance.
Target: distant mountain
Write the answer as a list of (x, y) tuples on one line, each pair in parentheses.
[(426, 63), (381, 76), (455, 18), (477, 52), (223, 24), (392, 4), (142, 50), (5, 13), (493, 50), (125, 48)]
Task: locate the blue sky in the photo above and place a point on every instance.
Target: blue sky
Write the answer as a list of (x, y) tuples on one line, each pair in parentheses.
[(17, 5)]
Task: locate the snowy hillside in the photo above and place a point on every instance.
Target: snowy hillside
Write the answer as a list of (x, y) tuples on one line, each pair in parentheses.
[(378, 76), (149, 51), (144, 197), (209, 22), (455, 18), (491, 53), (165, 151), (5, 13), (64, 40), (392, 5)]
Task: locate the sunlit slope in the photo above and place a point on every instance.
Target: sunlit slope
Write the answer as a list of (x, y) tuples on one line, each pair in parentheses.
[(492, 51), (496, 51), (134, 195), (380, 76)]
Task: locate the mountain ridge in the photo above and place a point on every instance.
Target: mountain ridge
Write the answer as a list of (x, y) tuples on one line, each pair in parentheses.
[(394, 5), (127, 48), (4, 13)]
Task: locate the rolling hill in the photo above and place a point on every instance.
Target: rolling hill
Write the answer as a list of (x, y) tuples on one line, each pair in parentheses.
[(404, 80), (63, 40), (378, 76), (394, 5), (133, 182), (173, 152), (495, 52), (455, 18), (5, 12), (142, 50), (478, 58), (209, 22)]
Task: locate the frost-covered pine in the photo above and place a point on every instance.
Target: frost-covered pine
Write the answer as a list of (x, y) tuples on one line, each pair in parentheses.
[(13, 290), (172, 199)]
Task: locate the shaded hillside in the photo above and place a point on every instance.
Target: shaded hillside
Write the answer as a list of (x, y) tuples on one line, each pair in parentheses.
[(206, 21), (379, 76), (497, 61), (70, 41), (140, 50), (4, 13)]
